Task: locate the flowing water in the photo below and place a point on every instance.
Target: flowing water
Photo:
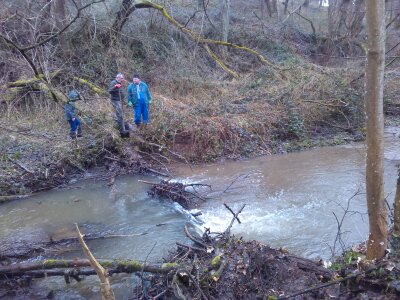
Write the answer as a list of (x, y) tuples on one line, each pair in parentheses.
[(291, 201)]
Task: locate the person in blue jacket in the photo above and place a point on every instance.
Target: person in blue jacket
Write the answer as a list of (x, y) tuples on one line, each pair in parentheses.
[(139, 97), (70, 116)]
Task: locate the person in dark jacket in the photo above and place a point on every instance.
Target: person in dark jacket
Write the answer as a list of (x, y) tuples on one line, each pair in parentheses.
[(70, 116), (116, 90), (139, 97)]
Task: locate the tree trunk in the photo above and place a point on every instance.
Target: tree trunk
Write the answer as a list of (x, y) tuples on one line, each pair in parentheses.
[(267, 4), (396, 226), (45, 19), (262, 8), (286, 7), (60, 18), (357, 19), (59, 13), (377, 214), (225, 10), (122, 16), (395, 241), (274, 6)]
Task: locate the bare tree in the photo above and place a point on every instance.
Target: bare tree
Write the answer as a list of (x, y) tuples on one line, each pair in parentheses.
[(265, 4), (286, 6), (377, 213), (60, 19), (226, 11)]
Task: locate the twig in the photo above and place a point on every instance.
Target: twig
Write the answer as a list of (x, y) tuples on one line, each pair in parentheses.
[(188, 234), (191, 247), (197, 286), (160, 294), (144, 263), (155, 172), (311, 23), (235, 217), (20, 165), (338, 237), (245, 176)]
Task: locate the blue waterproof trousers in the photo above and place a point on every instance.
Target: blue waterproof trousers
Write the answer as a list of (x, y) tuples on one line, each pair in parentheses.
[(75, 127), (141, 112)]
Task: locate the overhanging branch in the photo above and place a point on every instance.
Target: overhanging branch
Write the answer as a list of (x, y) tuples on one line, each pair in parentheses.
[(201, 40)]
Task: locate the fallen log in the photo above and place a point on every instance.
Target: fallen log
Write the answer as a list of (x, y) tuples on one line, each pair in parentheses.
[(122, 266)]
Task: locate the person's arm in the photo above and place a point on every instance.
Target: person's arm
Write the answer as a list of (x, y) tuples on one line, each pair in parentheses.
[(111, 87), (71, 112), (130, 95), (148, 94)]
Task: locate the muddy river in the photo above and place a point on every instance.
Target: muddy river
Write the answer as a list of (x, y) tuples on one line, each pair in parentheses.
[(291, 202)]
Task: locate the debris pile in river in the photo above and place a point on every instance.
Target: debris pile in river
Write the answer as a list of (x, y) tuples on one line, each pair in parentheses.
[(223, 266), (185, 194)]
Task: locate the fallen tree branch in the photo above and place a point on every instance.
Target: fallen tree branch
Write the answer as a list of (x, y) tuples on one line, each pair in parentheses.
[(106, 291), (191, 247), (205, 41), (123, 266), (190, 236), (20, 165)]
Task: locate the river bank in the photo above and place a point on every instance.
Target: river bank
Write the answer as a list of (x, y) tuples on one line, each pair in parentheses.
[(286, 196), (28, 168)]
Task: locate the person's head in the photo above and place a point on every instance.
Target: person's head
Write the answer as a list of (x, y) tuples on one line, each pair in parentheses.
[(136, 79), (120, 78), (73, 96)]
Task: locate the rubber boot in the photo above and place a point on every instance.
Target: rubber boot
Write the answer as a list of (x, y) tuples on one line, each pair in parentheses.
[(79, 132)]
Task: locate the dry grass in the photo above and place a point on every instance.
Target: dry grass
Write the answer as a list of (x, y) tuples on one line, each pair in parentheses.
[(242, 117), (36, 136)]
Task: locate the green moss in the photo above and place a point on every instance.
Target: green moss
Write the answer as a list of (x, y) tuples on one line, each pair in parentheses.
[(169, 265), (131, 265), (107, 264), (216, 261), (49, 263), (92, 86)]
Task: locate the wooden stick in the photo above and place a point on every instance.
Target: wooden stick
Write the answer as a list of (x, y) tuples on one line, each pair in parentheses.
[(193, 238), (20, 165), (106, 291), (235, 217), (190, 247)]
